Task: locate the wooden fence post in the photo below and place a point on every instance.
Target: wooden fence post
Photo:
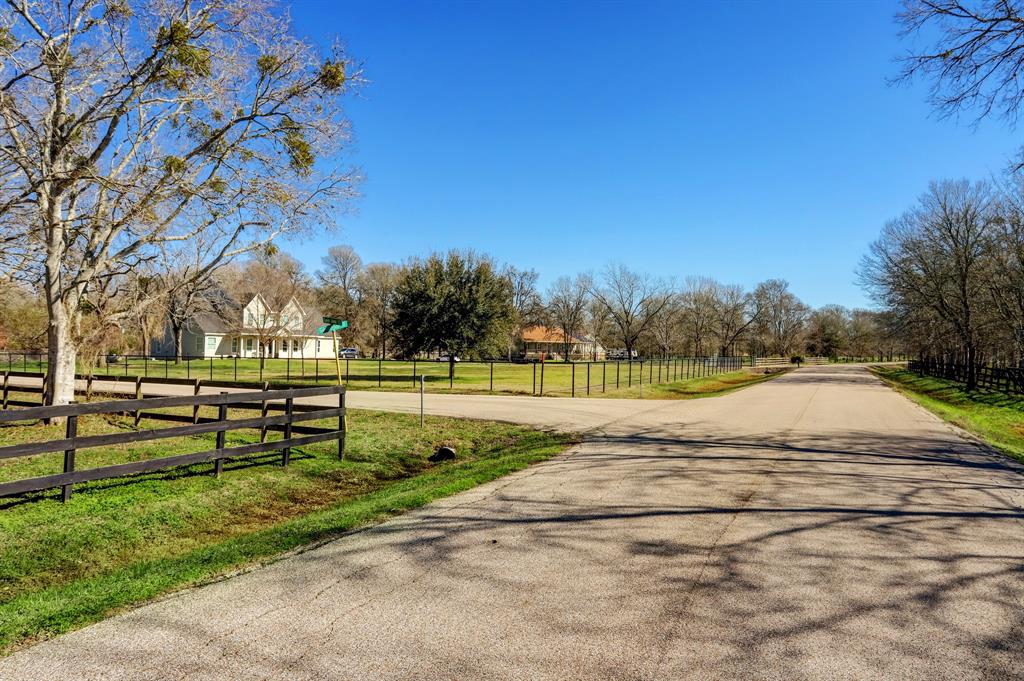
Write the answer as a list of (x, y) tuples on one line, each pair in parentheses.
[(70, 432), (222, 416), (342, 426), (265, 408), (195, 409), (138, 396), (286, 453)]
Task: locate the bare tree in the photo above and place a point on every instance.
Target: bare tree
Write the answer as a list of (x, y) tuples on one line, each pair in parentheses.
[(699, 312), (272, 280), (933, 258), (567, 308), (528, 308), (665, 327), (735, 312), (780, 322), (337, 293), (973, 55), (632, 301), (599, 322), (127, 128), (376, 285)]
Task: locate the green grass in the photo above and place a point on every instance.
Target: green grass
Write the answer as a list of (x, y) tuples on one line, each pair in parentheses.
[(709, 386), (558, 379), (995, 417), (122, 541)]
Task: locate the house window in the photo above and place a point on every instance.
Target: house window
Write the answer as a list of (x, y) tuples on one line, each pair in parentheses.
[(211, 343), (234, 346), (295, 345), (199, 343), (248, 344), (318, 346)]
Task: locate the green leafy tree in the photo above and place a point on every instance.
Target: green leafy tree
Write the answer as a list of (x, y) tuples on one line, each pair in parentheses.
[(456, 303)]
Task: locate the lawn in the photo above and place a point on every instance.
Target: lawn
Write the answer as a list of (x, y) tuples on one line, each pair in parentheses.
[(993, 416), (709, 386), (551, 378), (123, 541)]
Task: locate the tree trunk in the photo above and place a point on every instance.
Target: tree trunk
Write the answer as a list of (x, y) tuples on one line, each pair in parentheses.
[(61, 353), (178, 342), (972, 369)]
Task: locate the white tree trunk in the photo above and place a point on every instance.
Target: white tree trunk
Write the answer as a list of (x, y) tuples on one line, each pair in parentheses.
[(61, 354)]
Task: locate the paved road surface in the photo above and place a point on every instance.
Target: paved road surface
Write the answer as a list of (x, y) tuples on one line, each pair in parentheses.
[(818, 526)]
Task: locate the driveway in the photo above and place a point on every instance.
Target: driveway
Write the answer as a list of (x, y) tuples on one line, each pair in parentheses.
[(817, 526)]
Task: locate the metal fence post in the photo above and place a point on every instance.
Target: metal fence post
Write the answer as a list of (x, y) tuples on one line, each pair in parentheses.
[(70, 432), (236, 368), (7, 387), (573, 379), (588, 379), (542, 378), (533, 391), (492, 375), (422, 383), (211, 368), (379, 368)]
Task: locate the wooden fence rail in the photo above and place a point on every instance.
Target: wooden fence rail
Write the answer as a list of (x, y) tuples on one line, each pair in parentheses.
[(262, 401), (1009, 380)]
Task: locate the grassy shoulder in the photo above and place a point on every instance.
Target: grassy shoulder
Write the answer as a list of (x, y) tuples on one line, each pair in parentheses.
[(123, 541), (995, 417), (709, 386)]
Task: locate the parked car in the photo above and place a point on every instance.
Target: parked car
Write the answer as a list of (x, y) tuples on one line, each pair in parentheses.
[(445, 358), (349, 353)]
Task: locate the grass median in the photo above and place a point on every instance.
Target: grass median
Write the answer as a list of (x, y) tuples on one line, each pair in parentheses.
[(123, 541), (995, 417), (708, 386)]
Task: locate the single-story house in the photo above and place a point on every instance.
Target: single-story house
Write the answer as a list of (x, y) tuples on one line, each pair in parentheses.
[(258, 331), (542, 342)]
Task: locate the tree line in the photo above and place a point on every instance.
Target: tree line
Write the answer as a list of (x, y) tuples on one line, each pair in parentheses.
[(461, 304), (949, 272)]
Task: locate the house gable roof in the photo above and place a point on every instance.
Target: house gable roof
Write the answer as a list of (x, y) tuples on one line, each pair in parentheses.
[(544, 334)]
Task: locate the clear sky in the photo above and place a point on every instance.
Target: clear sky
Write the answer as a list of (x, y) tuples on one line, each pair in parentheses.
[(737, 140)]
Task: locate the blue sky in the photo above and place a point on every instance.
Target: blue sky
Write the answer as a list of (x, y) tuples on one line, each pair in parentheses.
[(736, 140)]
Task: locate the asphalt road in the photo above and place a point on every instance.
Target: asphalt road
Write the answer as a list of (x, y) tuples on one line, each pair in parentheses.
[(817, 526)]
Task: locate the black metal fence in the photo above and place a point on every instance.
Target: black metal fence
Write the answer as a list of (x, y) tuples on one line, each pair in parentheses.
[(533, 378), (262, 401), (1004, 379)]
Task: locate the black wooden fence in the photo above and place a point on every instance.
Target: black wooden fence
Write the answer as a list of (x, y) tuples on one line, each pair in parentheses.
[(1004, 379), (262, 401)]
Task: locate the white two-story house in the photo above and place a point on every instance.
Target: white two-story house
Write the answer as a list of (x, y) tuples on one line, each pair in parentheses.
[(258, 331)]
